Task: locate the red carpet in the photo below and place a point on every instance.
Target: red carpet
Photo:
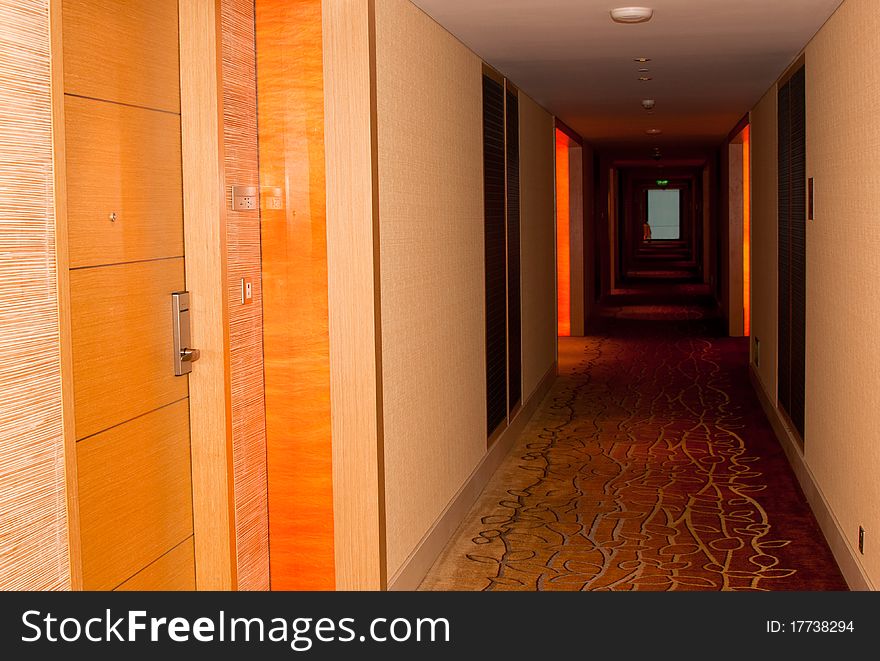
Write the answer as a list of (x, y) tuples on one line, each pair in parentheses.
[(650, 466)]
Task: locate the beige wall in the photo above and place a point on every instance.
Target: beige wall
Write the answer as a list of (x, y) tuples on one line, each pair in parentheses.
[(430, 155), (538, 238), (764, 237), (33, 524), (843, 257), (430, 201)]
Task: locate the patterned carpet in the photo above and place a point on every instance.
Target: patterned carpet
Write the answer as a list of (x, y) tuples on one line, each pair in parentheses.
[(650, 466)]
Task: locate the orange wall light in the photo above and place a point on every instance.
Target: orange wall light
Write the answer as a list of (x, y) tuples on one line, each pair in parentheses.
[(747, 218), (563, 249)]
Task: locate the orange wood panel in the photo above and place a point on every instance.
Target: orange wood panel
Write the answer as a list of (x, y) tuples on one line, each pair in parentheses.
[(125, 161), (295, 312), (103, 38), (747, 220), (121, 335), (135, 492), (563, 250), (176, 570)]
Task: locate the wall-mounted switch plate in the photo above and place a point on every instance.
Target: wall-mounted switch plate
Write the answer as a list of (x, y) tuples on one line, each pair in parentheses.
[(245, 198), (247, 291), (272, 197), (810, 215), (861, 540)]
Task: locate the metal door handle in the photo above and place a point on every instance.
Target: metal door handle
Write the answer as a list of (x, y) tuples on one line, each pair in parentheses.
[(184, 357), (190, 355)]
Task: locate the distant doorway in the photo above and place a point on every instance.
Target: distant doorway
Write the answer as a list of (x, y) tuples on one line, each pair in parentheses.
[(664, 214)]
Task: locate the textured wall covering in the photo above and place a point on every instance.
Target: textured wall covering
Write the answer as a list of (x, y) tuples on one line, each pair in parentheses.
[(843, 258), (765, 238), (537, 145), (245, 321), (431, 256), (33, 524)]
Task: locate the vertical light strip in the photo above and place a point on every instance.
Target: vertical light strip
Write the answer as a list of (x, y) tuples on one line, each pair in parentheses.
[(563, 249), (747, 217)]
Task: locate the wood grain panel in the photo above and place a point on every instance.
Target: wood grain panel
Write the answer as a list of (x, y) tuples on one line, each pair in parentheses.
[(123, 160), (121, 328), (33, 520), (176, 570), (358, 525), (295, 317), (135, 494), (206, 276), (245, 321), (98, 62), (63, 263)]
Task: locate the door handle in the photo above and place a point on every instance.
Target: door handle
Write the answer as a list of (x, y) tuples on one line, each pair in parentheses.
[(184, 356), (190, 355)]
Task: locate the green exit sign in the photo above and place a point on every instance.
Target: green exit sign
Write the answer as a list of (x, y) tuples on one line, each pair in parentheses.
[(663, 182)]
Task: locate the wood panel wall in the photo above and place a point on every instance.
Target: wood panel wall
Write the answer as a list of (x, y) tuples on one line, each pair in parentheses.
[(34, 523), (294, 263), (353, 294), (241, 167)]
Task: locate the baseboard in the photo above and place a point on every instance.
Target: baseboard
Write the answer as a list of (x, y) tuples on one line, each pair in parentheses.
[(844, 553), (432, 544)]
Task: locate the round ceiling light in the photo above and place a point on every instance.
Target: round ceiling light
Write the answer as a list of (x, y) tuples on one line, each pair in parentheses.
[(654, 132), (631, 14), (642, 59), (645, 78)]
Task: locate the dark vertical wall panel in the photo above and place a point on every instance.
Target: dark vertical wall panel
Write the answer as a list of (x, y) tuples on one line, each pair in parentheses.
[(495, 252), (798, 249), (792, 248), (514, 309), (784, 227)]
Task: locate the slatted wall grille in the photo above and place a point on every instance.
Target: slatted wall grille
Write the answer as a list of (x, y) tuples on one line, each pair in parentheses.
[(798, 230), (495, 253), (514, 308), (792, 248)]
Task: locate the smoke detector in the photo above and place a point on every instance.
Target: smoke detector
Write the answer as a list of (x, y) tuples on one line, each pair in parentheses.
[(632, 14)]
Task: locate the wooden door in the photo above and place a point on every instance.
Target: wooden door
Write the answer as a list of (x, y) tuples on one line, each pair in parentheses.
[(120, 170)]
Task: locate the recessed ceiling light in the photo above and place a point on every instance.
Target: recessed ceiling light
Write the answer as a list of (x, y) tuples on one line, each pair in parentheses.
[(642, 59), (643, 70), (644, 78), (632, 14), (654, 132)]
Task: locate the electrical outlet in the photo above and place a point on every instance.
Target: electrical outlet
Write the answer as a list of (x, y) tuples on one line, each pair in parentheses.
[(861, 540), (244, 198)]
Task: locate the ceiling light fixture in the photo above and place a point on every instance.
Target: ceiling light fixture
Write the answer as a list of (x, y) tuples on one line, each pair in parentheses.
[(631, 14), (644, 78), (642, 59), (654, 132)]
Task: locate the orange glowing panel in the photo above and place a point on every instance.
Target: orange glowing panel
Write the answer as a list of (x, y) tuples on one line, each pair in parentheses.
[(295, 311), (747, 217), (563, 250)]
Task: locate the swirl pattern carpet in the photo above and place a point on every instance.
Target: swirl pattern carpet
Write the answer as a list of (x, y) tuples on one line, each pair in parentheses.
[(649, 466)]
